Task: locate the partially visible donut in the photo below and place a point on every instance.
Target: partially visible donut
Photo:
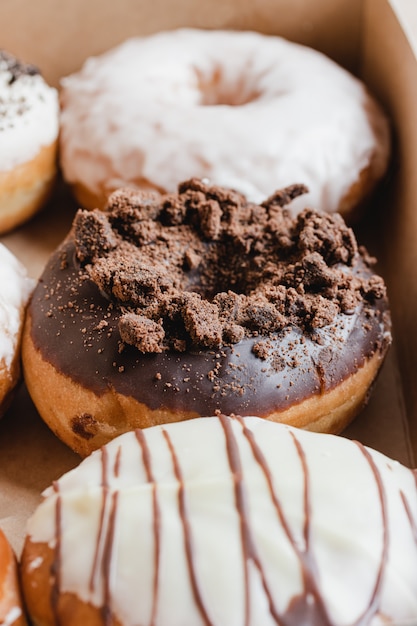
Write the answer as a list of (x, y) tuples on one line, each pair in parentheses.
[(226, 522), (29, 121), (167, 308), (16, 288), (250, 112), (11, 609)]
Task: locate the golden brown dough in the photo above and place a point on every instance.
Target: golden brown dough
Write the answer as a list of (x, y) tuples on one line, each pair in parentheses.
[(11, 608)]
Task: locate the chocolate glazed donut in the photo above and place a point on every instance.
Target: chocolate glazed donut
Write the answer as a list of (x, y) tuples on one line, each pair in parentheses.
[(164, 308)]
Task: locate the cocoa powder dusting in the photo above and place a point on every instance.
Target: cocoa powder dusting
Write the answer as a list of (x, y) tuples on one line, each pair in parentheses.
[(204, 268)]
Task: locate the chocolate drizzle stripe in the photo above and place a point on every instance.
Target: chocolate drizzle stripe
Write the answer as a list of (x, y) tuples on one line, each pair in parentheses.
[(248, 545), (188, 540), (147, 463), (234, 463), (100, 534), (307, 505), (373, 606), (260, 459), (57, 559), (411, 518), (305, 557), (409, 514), (309, 568), (105, 536), (117, 460), (106, 610)]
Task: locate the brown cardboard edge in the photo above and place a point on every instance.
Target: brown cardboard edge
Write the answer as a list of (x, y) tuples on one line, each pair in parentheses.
[(391, 74), (33, 237), (76, 29)]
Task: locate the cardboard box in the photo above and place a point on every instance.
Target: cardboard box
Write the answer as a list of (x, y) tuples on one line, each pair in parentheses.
[(377, 39)]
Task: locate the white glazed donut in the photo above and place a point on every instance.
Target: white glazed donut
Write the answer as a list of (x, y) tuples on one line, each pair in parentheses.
[(220, 520), (247, 111), (16, 288), (29, 122)]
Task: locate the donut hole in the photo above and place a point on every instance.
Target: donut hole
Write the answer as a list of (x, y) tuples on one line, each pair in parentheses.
[(216, 89), (225, 268)]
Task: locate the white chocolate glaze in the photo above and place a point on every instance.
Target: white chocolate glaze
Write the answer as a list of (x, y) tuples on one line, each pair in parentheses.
[(235, 521), (29, 117), (247, 111), (16, 288)]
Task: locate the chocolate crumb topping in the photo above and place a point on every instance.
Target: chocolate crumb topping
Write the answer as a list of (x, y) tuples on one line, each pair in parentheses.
[(141, 332), (282, 197), (205, 268), (93, 235), (200, 301)]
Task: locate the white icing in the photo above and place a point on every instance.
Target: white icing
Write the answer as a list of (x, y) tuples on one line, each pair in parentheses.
[(12, 616), (16, 288), (351, 492), (35, 564), (143, 110), (29, 120)]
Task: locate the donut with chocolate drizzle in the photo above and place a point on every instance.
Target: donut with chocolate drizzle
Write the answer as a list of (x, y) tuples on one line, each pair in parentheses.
[(226, 521), (164, 308)]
